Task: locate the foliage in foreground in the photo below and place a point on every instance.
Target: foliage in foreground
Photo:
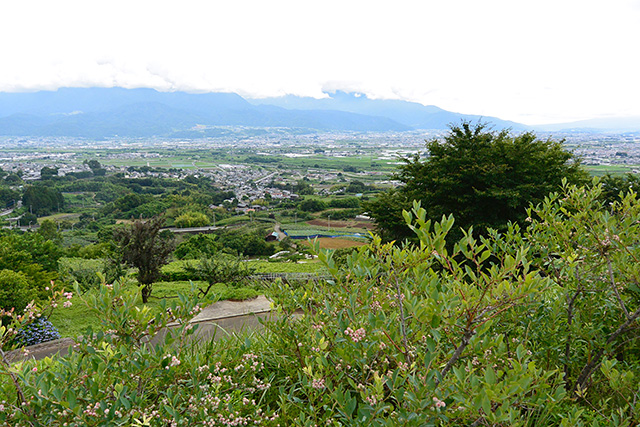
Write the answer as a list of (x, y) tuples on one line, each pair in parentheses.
[(117, 378), (535, 327)]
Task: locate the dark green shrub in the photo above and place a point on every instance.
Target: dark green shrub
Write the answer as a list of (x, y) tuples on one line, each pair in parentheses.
[(312, 205), (198, 246)]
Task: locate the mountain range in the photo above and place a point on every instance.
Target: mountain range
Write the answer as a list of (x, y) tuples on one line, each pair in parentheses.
[(109, 112)]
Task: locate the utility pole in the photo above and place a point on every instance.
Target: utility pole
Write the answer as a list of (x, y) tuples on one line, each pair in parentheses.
[(328, 222)]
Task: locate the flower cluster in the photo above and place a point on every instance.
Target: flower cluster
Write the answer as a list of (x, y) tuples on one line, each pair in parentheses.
[(195, 310), (357, 335), (174, 361), (318, 384), (439, 403)]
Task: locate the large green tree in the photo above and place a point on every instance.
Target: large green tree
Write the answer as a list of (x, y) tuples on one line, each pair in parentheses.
[(485, 178)]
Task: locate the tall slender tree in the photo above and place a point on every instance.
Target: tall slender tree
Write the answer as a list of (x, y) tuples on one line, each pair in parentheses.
[(144, 246)]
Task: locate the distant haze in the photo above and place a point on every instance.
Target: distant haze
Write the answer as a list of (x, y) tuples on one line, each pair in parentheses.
[(530, 62), (118, 112)]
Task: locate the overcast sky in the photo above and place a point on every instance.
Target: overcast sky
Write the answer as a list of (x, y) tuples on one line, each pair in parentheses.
[(534, 62)]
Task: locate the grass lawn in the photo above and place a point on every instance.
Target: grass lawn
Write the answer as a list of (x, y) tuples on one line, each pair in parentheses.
[(73, 217), (336, 243), (259, 266), (73, 321)]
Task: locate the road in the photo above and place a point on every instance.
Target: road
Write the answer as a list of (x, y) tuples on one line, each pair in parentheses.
[(193, 230), (266, 177)]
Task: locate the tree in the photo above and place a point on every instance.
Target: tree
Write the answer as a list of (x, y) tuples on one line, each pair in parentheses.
[(198, 246), (49, 230), (192, 219), (142, 245), (303, 188), (93, 164), (355, 187), (222, 269), (47, 172), (8, 197), (27, 219), (95, 167), (13, 179), (614, 186), (312, 205), (485, 178), (16, 290), (41, 200)]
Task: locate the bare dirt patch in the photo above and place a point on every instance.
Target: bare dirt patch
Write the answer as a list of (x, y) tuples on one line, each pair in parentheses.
[(367, 225)]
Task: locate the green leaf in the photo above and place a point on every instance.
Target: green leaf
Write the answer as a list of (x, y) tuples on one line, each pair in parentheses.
[(490, 376), (435, 321), (486, 404), (351, 406), (70, 398)]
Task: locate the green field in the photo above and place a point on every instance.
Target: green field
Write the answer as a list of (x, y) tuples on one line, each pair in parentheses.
[(602, 170), (259, 266), (73, 321)]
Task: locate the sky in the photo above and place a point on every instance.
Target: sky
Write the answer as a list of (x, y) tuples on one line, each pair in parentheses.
[(543, 61)]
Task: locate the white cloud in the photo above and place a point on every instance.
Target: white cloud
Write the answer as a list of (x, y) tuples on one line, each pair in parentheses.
[(534, 62)]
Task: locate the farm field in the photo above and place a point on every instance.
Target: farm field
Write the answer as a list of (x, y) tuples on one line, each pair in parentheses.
[(335, 242), (360, 225), (602, 170)]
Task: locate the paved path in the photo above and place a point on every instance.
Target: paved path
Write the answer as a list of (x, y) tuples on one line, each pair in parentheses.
[(216, 321)]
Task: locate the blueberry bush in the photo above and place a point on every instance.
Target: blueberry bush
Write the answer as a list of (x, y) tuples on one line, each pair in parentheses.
[(526, 327)]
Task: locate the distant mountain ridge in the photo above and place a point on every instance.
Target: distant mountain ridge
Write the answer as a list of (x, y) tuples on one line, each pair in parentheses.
[(106, 112), (411, 114), (109, 112), (612, 124)]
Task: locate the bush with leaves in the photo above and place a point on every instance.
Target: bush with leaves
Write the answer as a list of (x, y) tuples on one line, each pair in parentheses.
[(408, 336), (192, 219), (534, 327), (198, 246), (118, 379), (82, 271), (16, 291), (590, 249)]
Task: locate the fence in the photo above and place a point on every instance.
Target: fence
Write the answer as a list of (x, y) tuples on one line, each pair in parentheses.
[(289, 277)]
